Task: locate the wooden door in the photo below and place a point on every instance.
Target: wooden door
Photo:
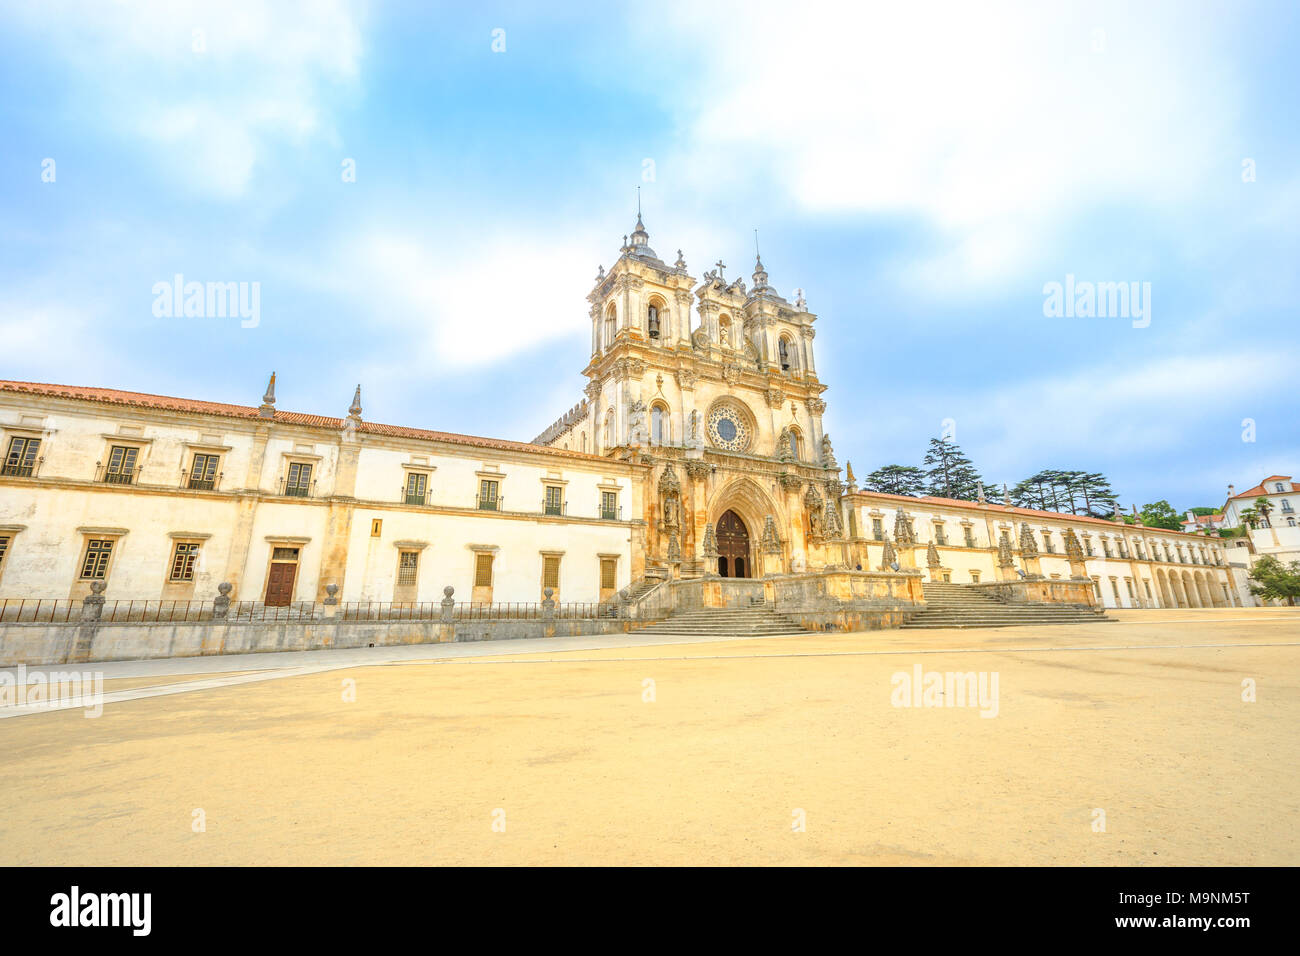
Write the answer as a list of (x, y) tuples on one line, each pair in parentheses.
[(733, 547), (279, 583)]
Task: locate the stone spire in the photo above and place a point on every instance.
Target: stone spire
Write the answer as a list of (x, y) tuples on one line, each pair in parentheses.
[(267, 408), (1136, 520), (979, 490), (354, 410), (853, 482), (1028, 546), (887, 557), (1005, 558), (760, 275), (903, 528), (770, 543)]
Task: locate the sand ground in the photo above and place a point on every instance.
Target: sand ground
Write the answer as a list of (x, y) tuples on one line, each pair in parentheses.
[(1142, 719)]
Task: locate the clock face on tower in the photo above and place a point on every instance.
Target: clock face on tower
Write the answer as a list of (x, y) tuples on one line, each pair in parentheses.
[(728, 429)]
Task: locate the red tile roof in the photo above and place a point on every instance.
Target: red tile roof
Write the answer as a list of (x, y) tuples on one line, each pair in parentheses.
[(1007, 510), (113, 396), (1259, 489)]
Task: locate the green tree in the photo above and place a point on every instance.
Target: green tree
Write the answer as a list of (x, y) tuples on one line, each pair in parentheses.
[(1160, 514), (1250, 517), (1275, 581), (896, 480), (949, 473), (1263, 507), (1072, 492)]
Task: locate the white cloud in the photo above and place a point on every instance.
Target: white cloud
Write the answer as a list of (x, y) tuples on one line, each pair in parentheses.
[(994, 124), (210, 86)]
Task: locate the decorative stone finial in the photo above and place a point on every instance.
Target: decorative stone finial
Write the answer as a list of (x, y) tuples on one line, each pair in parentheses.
[(267, 408), (979, 491), (680, 264), (354, 410)]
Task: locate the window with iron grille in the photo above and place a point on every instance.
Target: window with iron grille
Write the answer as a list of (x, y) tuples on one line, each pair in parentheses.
[(20, 462), (95, 565), (608, 573), (488, 494), (939, 537), (203, 476), (1087, 546), (554, 495), (121, 465), (609, 505), (551, 571), (1105, 546), (969, 535), (204, 472), (284, 554), (416, 485), (877, 529), (298, 484), (408, 567), (483, 571), (1047, 542), (187, 555)]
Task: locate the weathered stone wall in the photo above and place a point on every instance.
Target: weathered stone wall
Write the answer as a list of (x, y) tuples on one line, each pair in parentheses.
[(76, 643), (1041, 592)]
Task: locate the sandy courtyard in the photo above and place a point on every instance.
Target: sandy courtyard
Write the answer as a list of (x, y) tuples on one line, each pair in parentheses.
[(560, 758)]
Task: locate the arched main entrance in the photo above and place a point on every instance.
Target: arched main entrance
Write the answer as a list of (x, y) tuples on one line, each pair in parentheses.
[(733, 547)]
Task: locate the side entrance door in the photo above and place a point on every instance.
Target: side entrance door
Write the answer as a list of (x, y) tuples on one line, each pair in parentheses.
[(279, 583)]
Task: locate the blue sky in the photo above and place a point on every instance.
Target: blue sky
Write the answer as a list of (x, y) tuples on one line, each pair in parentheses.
[(921, 173)]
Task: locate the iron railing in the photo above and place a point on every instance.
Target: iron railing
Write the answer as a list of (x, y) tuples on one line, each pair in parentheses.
[(64, 611), (489, 504), (21, 469), (298, 490), (195, 482), (123, 476)]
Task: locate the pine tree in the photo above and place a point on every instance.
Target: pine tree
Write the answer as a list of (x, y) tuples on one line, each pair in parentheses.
[(949, 473), (896, 480)]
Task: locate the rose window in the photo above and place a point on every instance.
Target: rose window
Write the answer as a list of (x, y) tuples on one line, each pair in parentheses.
[(728, 430)]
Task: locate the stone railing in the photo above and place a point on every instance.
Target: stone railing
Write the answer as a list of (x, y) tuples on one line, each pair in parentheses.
[(1041, 591)]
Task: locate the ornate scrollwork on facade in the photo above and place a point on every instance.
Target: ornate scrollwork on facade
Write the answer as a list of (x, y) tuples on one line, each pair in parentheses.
[(816, 406), (696, 469), (834, 527), (790, 482), (1073, 549), (710, 545), (731, 373), (828, 454), (687, 377), (775, 397)]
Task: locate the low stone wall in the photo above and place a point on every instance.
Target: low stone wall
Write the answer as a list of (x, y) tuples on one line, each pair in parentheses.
[(1041, 591), (843, 600), (80, 643)]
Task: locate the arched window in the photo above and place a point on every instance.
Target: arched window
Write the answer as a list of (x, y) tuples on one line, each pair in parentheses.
[(652, 322), (784, 352), (796, 444), (659, 430), (611, 325)]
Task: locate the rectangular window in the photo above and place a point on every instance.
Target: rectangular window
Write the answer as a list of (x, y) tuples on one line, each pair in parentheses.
[(4, 548), (974, 577), (1047, 543), (877, 529), (20, 462), (483, 571), (969, 535), (608, 573), (488, 494), (553, 504), (203, 476), (416, 486), (95, 565), (1105, 546), (408, 567), (121, 465), (376, 527), (1087, 546), (187, 555), (609, 505), (939, 537), (298, 483), (551, 571)]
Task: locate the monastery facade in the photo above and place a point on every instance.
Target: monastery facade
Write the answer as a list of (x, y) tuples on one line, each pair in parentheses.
[(697, 451)]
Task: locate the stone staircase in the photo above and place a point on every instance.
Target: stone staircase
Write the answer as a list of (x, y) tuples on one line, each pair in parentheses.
[(756, 621), (956, 605)]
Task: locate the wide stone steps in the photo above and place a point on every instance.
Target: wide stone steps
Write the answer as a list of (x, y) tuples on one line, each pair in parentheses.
[(955, 605), (724, 622)]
